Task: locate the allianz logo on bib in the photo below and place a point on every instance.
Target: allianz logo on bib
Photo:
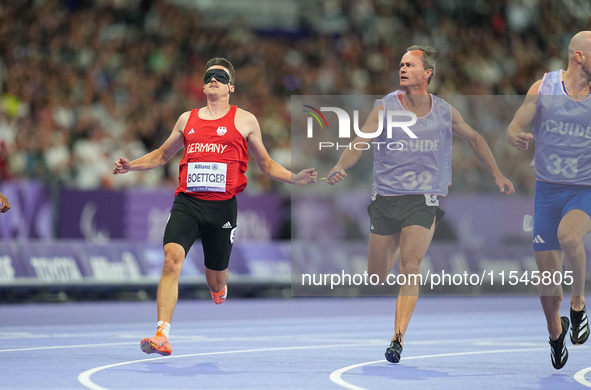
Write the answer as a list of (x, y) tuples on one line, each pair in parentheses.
[(222, 130), (213, 167)]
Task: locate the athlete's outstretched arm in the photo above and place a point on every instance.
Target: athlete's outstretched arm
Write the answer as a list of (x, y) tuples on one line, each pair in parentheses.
[(265, 163), (481, 150), (352, 155), (516, 134), (160, 156)]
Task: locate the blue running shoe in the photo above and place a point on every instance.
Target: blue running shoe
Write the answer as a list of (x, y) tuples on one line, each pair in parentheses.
[(393, 352)]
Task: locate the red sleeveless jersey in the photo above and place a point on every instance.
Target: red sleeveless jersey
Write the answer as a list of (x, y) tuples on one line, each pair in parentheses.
[(215, 158)]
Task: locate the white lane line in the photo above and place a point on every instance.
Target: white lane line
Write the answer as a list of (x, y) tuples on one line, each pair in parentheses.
[(336, 376), (300, 338), (67, 346), (84, 377), (580, 376)]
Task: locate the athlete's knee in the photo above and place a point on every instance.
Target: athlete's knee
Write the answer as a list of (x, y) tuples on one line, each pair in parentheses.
[(569, 241), (410, 266), (174, 255), (380, 272), (171, 267)]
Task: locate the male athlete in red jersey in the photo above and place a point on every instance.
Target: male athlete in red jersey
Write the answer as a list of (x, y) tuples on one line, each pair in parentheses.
[(216, 139)]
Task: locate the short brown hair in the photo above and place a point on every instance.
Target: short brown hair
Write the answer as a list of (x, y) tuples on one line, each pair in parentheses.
[(428, 57), (222, 62)]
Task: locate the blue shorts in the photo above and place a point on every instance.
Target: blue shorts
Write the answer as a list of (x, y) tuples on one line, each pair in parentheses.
[(552, 202)]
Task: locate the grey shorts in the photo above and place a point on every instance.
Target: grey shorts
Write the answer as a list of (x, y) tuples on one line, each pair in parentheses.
[(389, 214)]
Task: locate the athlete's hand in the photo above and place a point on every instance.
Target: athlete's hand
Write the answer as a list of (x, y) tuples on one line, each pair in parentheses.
[(4, 205), (505, 185), (336, 175), (121, 166), (523, 140), (305, 177)]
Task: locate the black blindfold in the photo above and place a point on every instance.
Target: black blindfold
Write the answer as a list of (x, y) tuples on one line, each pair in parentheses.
[(219, 74)]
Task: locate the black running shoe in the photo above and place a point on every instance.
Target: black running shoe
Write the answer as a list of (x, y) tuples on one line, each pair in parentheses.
[(579, 330), (393, 352), (558, 351)]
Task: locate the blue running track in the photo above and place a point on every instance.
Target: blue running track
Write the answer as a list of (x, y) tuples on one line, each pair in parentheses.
[(308, 343)]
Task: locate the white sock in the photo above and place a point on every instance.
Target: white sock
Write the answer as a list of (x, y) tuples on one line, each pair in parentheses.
[(164, 327)]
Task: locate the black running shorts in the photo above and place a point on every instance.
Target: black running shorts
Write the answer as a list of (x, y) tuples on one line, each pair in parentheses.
[(214, 221), (389, 214)]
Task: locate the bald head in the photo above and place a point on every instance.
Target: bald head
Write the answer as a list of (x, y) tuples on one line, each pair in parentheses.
[(581, 42)]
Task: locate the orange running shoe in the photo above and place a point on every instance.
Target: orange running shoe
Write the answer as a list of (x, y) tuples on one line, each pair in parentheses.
[(220, 297), (158, 344)]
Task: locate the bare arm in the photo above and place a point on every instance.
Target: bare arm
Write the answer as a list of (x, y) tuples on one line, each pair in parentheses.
[(250, 127), (481, 150), (516, 134), (352, 155), (160, 156)]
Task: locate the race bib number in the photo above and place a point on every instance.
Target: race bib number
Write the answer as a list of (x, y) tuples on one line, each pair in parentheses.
[(568, 167), (431, 200), (204, 176), (412, 181)]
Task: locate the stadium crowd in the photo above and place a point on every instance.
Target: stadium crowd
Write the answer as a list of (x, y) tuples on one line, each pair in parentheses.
[(83, 83)]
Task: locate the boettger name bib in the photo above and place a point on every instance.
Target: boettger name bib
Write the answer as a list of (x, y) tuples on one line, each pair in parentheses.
[(205, 176)]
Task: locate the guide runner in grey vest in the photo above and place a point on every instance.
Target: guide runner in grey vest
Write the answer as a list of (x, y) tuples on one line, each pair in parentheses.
[(409, 178), (559, 105)]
